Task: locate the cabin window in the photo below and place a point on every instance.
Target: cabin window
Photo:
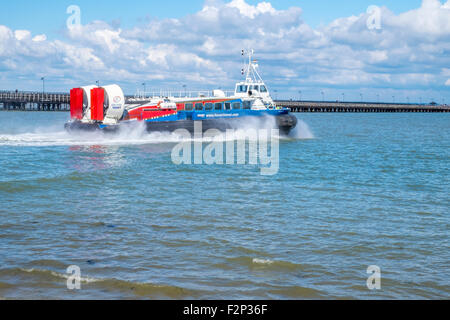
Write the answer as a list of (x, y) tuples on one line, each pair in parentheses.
[(188, 106), (208, 106), (242, 88), (199, 106), (254, 88), (218, 106), (236, 105), (263, 89), (227, 106), (247, 104)]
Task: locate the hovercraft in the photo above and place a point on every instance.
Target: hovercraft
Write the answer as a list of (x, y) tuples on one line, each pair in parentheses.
[(106, 108)]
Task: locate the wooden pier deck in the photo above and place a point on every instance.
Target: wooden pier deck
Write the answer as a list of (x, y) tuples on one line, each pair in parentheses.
[(34, 101), (314, 106)]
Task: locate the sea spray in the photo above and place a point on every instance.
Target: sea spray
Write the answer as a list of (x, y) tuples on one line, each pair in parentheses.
[(301, 132), (52, 134), (235, 153), (134, 134)]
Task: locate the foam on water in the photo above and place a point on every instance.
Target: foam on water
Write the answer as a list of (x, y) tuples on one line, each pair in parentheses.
[(262, 261), (53, 281), (59, 275), (131, 135), (54, 135), (301, 132)]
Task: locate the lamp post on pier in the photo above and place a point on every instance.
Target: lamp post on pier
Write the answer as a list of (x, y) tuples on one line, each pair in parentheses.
[(43, 85)]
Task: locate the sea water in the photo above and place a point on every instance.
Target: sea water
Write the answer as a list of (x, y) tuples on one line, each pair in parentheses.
[(352, 191)]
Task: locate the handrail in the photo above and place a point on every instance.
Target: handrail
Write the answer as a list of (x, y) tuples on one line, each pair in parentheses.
[(22, 96), (178, 94)]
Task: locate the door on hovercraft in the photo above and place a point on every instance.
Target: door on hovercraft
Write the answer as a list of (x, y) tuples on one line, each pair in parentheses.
[(188, 109)]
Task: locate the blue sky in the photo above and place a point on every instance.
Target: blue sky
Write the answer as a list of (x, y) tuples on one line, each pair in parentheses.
[(49, 16), (308, 46)]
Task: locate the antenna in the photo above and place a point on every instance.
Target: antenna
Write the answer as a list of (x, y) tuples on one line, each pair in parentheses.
[(252, 74)]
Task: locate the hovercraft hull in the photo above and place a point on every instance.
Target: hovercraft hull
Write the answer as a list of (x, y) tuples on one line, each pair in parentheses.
[(285, 123)]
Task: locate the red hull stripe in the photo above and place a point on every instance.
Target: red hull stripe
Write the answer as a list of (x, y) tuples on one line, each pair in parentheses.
[(145, 113)]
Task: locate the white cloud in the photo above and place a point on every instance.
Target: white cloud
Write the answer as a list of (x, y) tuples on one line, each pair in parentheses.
[(40, 37), (377, 56), (447, 83), (252, 11), (79, 58), (22, 34), (411, 49), (431, 19)]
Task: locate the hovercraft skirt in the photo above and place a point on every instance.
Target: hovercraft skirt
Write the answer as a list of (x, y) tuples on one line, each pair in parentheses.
[(285, 123)]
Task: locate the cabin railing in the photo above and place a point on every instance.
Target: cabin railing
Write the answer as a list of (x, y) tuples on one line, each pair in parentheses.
[(141, 95)]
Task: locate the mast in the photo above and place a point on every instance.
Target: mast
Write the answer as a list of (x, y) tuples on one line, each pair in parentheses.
[(251, 72)]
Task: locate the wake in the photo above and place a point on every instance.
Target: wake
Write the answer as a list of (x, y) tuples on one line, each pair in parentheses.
[(134, 135)]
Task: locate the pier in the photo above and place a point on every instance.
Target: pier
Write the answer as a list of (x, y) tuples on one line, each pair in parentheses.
[(34, 101), (38, 101), (314, 106)]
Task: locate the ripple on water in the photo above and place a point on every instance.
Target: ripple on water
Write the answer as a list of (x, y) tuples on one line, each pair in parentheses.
[(264, 264), (45, 278), (368, 189)]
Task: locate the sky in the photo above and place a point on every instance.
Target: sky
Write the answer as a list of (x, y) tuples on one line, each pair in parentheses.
[(48, 16), (396, 51)]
